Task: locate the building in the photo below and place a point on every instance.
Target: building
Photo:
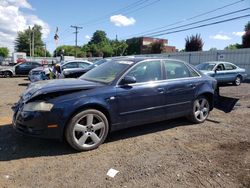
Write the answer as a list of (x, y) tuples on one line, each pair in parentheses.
[(144, 45)]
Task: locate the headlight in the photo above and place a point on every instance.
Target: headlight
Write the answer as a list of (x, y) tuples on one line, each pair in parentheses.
[(37, 106)]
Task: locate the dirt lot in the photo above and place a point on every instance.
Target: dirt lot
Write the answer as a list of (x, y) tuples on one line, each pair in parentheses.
[(168, 154)]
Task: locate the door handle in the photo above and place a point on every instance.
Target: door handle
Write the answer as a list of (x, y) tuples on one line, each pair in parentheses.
[(160, 90), (191, 85)]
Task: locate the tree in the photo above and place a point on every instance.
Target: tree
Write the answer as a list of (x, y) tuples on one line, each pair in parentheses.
[(4, 52), (69, 51), (133, 46), (157, 47), (22, 42), (246, 36), (99, 37), (233, 46), (119, 47), (212, 49), (193, 43)]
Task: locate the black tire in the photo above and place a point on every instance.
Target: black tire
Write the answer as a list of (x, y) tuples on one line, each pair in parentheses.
[(238, 80), (86, 131), (196, 116), (7, 74)]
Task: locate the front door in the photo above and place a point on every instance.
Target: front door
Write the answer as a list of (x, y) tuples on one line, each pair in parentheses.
[(144, 100)]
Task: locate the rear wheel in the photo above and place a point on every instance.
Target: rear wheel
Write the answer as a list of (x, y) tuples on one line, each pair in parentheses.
[(200, 110), (237, 81), (87, 130)]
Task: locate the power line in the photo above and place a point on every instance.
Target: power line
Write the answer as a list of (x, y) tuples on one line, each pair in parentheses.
[(100, 19), (128, 11), (188, 19), (132, 5), (76, 32), (204, 25), (193, 23)]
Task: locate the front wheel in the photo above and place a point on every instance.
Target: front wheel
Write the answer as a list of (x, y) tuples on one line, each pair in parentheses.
[(200, 110), (237, 81), (7, 74), (87, 130)]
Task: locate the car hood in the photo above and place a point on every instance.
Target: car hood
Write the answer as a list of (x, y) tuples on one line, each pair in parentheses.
[(54, 86), (7, 68)]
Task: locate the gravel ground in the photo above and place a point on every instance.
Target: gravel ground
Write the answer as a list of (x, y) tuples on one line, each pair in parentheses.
[(168, 154)]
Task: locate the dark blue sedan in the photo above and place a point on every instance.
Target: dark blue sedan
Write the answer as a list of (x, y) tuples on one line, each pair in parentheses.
[(118, 94)]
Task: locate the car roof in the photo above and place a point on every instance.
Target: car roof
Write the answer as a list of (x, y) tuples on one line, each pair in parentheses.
[(138, 59), (65, 62), (217, 62)]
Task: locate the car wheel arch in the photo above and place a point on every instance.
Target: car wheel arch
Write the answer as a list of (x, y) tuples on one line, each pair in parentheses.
[(210, 97), (94, 106), (10, 72), (239, 75)]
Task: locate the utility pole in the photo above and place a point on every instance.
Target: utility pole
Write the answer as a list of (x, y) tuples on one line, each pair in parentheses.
[(33, 45), (76, 32), (30, 39), (45, 48)]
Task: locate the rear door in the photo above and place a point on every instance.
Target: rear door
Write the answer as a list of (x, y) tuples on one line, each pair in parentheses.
[(179, 88), (23, 68), (230, 72)]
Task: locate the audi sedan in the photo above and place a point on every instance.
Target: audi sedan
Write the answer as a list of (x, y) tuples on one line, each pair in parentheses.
[(223, 72), (118, 94)]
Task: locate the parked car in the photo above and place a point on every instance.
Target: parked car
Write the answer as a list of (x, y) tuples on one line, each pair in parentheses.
[(223, 72), (118, 94), (39, 73), (19, 69), (73, 66), (76, 73)]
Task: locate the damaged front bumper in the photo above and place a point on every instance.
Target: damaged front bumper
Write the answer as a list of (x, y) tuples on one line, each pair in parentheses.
[(37, 124)]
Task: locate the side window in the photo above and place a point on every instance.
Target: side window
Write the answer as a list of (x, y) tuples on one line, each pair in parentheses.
[(35, 65), (82, 64), (70, 65), (175, 69), (146, 71), (229, 67), (24, 65), (220, 67), (193, 73)]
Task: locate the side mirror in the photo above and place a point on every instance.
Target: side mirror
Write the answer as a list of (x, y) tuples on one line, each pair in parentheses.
[(215, 71), (128, 80)]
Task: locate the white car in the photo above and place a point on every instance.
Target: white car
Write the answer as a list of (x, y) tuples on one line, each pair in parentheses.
[(75, 65)]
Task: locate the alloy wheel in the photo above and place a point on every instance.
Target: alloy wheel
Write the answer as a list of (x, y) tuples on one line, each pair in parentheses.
[(89, 130), (237, 81), (201, 109)]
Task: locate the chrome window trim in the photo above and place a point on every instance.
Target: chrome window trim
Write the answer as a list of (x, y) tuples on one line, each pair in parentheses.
[(157, 81)]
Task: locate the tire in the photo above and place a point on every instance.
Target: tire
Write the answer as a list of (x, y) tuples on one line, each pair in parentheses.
[(200, 110), (237, 81), (7, 74), (87, 130)]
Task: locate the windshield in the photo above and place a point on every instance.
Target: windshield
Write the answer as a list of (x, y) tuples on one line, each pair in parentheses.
[(107, 72), (206, 66)]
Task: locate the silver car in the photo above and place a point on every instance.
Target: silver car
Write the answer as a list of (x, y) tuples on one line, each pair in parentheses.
[(223, 72), (75, 65)]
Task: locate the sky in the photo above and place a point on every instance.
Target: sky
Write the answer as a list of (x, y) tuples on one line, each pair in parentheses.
[(121, 18)]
